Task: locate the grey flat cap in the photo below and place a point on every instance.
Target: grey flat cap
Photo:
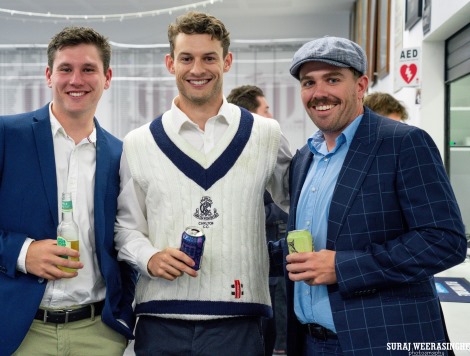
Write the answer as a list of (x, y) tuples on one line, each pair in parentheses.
[(336, 51)]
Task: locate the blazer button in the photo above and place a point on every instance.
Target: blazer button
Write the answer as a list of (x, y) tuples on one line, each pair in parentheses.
[(40, 280)]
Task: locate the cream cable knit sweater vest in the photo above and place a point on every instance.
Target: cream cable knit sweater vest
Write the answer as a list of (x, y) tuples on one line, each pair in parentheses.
[(222, 192)]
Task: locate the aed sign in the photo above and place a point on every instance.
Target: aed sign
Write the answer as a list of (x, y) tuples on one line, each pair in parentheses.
[(409, 67)]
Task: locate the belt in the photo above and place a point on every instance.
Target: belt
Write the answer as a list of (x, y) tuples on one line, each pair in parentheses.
[(319, 332), (64, 316)]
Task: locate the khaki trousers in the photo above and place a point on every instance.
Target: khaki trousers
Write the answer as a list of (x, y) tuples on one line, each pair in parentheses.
[(80, 338)]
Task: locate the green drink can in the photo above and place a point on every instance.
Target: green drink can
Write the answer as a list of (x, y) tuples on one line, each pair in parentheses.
[(299, 241)]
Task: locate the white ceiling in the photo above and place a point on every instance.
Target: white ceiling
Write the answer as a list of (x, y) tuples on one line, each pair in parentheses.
[(245, 19)]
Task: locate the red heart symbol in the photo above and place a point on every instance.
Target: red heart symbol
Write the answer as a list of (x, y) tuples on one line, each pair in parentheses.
[(408, 72)]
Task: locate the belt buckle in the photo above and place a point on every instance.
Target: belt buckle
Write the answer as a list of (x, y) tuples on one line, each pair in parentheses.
[(66, 311), (318, 332)]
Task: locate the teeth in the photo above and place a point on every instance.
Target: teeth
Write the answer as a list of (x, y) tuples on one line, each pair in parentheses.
[(324, 107), (77, 94), (199, 82)]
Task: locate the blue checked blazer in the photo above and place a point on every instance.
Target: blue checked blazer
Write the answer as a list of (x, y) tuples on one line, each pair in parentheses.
[(28, 207), (393, 222)]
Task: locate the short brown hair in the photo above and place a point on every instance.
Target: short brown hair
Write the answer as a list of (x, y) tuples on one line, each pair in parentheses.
[(385, 104), (74, 36), (246, 96), (199, 23)]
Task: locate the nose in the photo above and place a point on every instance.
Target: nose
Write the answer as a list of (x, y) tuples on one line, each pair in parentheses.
[(198, 67), (76, 78), (319, 91), (317, 94)]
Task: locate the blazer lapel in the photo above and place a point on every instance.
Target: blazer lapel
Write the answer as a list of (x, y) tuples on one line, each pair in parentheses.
[(298, 174), (103, 160), (45, 150), (355, 167)]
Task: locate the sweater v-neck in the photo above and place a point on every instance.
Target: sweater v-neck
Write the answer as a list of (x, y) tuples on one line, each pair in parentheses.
[(204, 169)]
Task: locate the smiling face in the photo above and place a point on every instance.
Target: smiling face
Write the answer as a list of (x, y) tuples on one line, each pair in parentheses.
[(77, 80), (198, 65), (332, 96)]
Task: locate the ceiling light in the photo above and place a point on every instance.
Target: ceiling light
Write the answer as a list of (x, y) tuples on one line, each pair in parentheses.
[(109, 17)]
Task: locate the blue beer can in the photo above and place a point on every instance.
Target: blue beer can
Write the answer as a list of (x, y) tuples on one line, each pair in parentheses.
[(192, 244)]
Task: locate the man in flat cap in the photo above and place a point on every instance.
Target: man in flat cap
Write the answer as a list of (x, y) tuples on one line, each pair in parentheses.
[(376, 198)]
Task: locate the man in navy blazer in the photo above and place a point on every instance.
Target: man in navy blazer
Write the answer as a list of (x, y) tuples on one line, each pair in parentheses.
[(43, 153), (375, 196)]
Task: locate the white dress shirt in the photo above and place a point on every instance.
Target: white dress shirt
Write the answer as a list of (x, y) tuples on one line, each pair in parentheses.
[(132, 230), (75, 171)]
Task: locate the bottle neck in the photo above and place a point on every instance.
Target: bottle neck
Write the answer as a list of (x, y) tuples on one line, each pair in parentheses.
[(67, 215)]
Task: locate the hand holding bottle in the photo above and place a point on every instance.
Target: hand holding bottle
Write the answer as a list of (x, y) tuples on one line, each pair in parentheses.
[(44, 257), (55, 259)]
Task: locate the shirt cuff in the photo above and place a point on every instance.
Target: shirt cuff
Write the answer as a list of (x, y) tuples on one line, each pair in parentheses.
[(21, 262), (144, 260)]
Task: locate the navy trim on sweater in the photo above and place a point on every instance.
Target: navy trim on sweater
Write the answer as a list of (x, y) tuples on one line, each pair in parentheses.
[(197, 307), (205, 178)]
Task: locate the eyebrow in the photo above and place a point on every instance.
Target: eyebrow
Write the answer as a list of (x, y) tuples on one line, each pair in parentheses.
[(335, 72), (87, 64), (326, 75), (191, 54)]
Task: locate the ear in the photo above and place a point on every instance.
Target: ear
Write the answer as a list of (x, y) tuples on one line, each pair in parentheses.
[(109, 75), (170, 63), (228, 62), (362, 84), (48, 76)]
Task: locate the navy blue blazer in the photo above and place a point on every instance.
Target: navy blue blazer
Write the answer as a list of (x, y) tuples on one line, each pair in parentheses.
[(394, 223), (28, 207)]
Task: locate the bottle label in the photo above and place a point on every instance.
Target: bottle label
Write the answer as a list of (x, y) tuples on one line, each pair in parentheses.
[(74, 244), (63, 242), (66, 205)]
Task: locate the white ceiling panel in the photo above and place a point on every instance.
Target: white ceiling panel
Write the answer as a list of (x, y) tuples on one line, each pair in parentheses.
[(245, 19)]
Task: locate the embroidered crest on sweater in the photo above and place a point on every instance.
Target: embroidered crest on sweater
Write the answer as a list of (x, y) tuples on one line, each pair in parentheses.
[(237, 289), (205, 212)]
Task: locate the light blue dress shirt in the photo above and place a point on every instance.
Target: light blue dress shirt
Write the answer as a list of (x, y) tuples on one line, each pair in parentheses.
[(311, 304)]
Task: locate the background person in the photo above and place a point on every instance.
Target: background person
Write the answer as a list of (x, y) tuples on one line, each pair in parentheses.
[(380, 207), (252, 98), (386, 105), (203, 163), (61, 148)]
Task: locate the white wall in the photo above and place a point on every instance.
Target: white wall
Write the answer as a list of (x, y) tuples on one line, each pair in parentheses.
[(447, 17)]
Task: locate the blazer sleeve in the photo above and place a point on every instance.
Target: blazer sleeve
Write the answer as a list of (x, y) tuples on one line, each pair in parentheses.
[(10, 242), (412, 227)]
